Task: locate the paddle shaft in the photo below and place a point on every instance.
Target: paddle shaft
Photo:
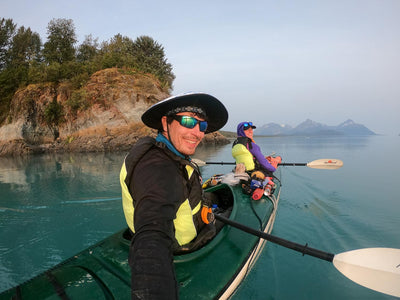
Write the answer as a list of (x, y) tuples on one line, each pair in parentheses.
[(293, 164), (277, 240), (233, 163)]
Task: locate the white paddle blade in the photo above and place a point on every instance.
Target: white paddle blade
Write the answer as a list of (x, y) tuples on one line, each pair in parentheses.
[(325, 163), (374, 268), (199, 162)]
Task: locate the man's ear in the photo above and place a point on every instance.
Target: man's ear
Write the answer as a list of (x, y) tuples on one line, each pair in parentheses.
[(164, 123)]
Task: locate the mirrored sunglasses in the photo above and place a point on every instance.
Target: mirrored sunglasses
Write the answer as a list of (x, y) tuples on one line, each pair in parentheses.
[(191, 122), (247, 125)]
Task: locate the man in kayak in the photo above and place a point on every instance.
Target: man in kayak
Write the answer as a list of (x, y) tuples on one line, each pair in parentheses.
[(246, 151), (161, 191)]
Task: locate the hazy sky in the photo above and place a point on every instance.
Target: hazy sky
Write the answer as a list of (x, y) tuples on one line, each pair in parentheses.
[(268, 61)]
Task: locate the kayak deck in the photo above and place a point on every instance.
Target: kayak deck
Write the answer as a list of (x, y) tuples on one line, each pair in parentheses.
[(215, 270), (230, 255)]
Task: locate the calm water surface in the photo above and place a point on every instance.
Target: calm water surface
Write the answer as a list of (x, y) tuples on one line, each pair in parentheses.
[(52, 206)]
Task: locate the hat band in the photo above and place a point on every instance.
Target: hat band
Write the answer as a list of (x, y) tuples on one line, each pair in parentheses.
[(193, 109)]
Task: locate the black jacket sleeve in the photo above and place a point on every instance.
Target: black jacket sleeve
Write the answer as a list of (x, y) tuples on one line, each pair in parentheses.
[(157, 190)]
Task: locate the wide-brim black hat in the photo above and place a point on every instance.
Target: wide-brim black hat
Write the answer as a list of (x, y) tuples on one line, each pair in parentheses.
[(215, 111)]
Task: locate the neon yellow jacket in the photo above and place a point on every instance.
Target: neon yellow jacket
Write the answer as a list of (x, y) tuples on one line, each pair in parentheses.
[(161, 191), (241, 154)]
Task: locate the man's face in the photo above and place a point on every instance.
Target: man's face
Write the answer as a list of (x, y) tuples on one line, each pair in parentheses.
[(184, 139)]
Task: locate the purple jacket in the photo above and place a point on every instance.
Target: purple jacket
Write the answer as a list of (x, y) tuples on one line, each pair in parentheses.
[(255, 150)]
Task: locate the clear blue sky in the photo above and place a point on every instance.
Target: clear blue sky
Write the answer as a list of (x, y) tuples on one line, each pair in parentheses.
[(268, 61)]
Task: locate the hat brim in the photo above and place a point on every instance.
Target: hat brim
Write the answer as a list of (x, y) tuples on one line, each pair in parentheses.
[(216, 113)]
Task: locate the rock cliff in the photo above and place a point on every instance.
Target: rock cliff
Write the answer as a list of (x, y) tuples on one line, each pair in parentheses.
[(103, 115)]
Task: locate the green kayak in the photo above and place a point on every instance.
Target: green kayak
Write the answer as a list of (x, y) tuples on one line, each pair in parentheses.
[(214, 271)]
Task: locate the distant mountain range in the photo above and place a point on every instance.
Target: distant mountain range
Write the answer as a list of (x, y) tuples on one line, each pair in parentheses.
[(310, 127)]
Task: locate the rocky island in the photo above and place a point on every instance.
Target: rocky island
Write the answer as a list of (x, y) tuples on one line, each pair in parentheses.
[(104, 115)]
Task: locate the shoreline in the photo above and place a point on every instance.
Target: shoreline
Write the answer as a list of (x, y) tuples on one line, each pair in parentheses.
[(88, 143)]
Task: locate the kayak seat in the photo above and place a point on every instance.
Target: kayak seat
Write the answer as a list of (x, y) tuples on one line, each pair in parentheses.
[(222, 197)]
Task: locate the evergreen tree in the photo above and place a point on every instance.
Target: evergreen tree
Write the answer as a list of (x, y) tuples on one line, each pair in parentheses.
[(26, 47), (61, 38), (88, 50), (7, 31), (117, 53), (149, 57), (25, 52)]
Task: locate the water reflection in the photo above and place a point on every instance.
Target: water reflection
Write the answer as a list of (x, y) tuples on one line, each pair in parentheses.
[(25, 171)]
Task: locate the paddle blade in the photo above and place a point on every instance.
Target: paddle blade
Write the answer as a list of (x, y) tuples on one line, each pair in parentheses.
[(199, 162), (374, 268), (325, 163)]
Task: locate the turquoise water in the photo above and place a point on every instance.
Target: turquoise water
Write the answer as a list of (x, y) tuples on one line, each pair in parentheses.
[(52, 206)]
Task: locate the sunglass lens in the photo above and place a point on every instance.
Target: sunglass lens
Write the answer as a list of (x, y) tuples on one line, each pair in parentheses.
[(188, 122), (203, 126), (247, 125)]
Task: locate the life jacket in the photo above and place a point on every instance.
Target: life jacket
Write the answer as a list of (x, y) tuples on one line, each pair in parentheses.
[(241, 153), (188, 216), (126, 172)]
